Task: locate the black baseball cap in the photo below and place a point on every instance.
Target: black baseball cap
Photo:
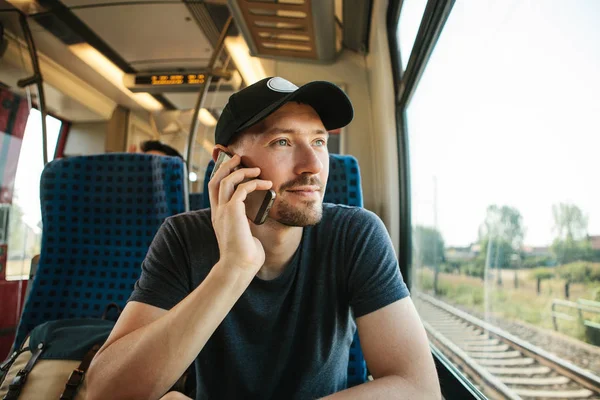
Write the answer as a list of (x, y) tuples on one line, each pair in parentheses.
[(256, 102)]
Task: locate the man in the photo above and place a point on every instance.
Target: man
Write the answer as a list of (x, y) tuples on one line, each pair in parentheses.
[(267, 311), (159, 148)]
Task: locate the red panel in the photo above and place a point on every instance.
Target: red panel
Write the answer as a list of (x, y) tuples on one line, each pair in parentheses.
[(12, 297), (65, 128), (3, 260), (5, 345)]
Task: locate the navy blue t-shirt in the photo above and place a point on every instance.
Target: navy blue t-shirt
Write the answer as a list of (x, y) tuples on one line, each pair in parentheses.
[(288, 337)]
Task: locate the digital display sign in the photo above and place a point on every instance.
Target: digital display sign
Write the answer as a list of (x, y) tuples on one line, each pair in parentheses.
[(170, 79)]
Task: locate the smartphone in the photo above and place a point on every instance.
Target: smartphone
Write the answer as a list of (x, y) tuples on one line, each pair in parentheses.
[(258, 203)]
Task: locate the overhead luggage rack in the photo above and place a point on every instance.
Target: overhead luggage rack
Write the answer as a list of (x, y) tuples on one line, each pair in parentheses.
[(298, 29)]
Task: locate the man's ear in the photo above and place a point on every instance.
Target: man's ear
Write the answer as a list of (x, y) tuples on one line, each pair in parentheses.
[(219, 148), (215, 154)]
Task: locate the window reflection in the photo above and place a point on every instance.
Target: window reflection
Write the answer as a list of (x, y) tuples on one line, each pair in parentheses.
[(25, 224), (410, 20)]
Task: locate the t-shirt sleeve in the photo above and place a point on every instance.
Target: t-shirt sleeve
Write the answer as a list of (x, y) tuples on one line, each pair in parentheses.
[(374, 279), (164, 281)]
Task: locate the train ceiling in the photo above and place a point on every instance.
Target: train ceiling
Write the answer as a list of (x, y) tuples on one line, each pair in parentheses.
[(179, 36)]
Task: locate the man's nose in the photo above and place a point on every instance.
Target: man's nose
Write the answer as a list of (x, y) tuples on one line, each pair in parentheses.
[(307, 161)]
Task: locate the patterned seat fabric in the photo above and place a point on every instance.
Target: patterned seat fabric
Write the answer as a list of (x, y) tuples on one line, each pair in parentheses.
[(343, 187), (100, 214)]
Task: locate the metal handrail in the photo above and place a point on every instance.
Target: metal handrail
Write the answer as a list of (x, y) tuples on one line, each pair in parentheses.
[(582, 305), (35, 79), (203, 91)]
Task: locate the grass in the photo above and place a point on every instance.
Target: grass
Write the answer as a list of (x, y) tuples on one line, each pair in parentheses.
[(517, 304)]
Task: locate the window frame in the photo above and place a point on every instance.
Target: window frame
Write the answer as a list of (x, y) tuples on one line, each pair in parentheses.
[(405, 83)]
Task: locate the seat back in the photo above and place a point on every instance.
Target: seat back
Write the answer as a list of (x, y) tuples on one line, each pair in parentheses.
[(343, 187), (343, 184), (100, 214), (197, 201)]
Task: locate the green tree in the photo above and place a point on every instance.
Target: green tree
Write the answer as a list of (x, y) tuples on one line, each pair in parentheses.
[(569, 221), (428, 245), (500, 238), (570, 225), (504, 223)]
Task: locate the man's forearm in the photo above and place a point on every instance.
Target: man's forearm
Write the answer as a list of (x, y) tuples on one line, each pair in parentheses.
[(146, 362), (388, 387)]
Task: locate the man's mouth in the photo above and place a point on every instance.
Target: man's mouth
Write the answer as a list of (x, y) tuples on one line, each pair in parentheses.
[(305, 191)]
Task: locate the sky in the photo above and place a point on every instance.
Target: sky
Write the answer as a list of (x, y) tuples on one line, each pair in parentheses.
[(507, 113)]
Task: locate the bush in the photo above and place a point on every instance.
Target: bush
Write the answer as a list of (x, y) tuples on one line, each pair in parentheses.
[(462, 293), (596, 295), (580, 272), (535, 262), (594, 256), (450, 267), (473, 269), (477, 297), (542, 273), (425, 280)]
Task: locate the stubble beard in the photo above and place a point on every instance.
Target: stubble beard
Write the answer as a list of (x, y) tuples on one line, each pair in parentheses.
[(310, 213), (306, 212)]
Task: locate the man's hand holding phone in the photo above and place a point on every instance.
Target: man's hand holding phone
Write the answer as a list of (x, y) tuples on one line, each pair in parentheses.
[(228, 188)]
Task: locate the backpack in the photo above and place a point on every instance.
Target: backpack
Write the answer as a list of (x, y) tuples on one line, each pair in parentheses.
[(52, 361)]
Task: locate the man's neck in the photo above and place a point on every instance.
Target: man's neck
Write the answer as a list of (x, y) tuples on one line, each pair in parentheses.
[(280, 243)]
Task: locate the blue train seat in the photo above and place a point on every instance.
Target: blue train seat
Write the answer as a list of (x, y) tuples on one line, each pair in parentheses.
[(343, 187), (100, 214), (197, 201)]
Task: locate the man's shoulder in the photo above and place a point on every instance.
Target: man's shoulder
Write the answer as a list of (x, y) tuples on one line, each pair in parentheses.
[(331, 210), (349, 214), (198, 220)]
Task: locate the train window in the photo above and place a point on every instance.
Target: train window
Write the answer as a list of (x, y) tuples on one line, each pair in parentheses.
[(24, 234), (502, 135), (410, 19)]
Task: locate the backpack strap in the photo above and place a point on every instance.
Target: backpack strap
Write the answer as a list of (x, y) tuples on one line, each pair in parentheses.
[(5, 366), (111, 306), (15, 387), (78, 374)]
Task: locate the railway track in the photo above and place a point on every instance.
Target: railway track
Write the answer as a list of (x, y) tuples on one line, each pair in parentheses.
[(501, 364)]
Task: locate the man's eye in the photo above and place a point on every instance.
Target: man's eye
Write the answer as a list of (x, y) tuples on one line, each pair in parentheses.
[(320, 142), (282, 142)]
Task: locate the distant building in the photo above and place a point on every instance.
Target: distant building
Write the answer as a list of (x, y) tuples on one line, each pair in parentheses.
[(594, 241), (537, 251), (459, 254)]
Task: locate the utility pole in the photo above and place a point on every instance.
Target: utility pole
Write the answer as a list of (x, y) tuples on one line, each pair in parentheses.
[(436, 261)]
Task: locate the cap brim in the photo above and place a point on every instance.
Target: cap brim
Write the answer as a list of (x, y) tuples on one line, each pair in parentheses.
[(328, 100)]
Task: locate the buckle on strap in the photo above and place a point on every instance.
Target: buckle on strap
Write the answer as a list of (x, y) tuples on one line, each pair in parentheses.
[(18, 381), (14, 388), (73, 384), (76, 378)]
